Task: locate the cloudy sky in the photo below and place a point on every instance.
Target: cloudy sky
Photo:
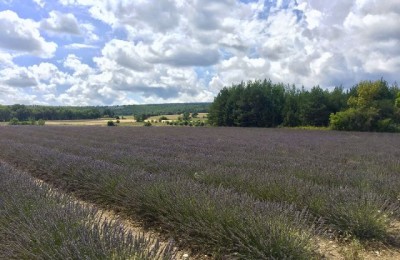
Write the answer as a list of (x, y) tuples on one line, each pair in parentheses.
[(109, 52)]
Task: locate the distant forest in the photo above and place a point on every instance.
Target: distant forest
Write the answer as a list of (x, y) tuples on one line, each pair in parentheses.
[(367, 106), (26, 113)]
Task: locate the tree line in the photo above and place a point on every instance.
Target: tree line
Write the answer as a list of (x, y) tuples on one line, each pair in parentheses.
[(29, 113), (367, 106)]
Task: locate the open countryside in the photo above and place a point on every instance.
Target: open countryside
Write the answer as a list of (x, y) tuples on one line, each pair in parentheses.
[(200, 130)]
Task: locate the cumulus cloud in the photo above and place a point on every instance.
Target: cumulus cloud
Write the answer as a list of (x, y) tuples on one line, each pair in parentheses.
[(61, 23), (40, 3), (77, 46), (19, 78), (23, 36), (179, 50)]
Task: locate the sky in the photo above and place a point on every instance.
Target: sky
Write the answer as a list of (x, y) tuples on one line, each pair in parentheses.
[(115, 52)]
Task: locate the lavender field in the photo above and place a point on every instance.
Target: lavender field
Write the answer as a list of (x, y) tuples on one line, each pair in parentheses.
[(233, 192)]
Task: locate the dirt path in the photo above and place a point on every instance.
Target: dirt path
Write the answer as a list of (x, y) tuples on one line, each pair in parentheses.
[(130, 226), (329, 248), (332, 249)]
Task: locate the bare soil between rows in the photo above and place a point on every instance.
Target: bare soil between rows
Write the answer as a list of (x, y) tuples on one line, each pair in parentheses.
[(330, 249)]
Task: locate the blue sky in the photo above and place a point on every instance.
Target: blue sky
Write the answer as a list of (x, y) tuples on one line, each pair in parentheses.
[(102, 52)]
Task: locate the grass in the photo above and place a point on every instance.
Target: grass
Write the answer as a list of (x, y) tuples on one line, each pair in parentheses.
[(127, 121), (201, 116)]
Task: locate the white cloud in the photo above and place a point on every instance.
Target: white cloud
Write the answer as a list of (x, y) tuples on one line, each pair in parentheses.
[(40, 3), (5, 59), (77, 46), (18, 77), (182, 50), (88, 30), (61, 23), (79, 69), (23, 36)]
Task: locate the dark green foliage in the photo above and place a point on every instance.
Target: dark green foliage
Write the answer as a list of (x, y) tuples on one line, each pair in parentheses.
[(14, 121), (315, 107), (168, 109), (258, 103), (26, 113), (111, 123), (372, 107), (264, 104), (141, 117), (186, 116), (162, 118), (147, 124), (41, 122), (23, 112)]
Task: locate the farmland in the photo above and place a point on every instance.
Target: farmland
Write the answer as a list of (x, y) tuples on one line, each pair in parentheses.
[(241, 193)]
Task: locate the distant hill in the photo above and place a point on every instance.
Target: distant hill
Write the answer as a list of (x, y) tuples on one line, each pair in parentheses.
[(33, 112), (160, 109)]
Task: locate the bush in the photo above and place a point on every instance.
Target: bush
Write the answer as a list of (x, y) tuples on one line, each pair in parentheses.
[(14, 121), (118, 121), (147, 124), (41, 122), (355, 119), (163, 118), (111, 123)]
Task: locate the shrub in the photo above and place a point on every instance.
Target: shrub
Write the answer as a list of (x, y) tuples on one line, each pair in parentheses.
[(14, 121), (111, 123), (162, 118), (147, 124)]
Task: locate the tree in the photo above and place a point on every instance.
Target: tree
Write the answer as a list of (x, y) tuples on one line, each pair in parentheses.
[(315, 110), (5, 113), (372, 107), (186, 116), (255, 103), (14, 121), (291, 108), (111, 123)]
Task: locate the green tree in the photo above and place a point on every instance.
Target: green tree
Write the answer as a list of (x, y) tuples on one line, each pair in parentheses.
[(371, 108), (41, 122), (14, 121), (186, 116), (291, 108), (315, 110)]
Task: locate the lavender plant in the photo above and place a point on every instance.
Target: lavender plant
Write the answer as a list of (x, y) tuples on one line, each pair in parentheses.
[(185, 179), (38, 223)]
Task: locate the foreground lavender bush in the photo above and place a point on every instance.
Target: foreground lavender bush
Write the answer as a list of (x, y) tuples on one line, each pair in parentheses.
[(180, 179), (37, 223)]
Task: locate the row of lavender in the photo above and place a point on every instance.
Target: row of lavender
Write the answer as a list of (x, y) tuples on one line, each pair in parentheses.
[(206, 186), (39, 223)]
